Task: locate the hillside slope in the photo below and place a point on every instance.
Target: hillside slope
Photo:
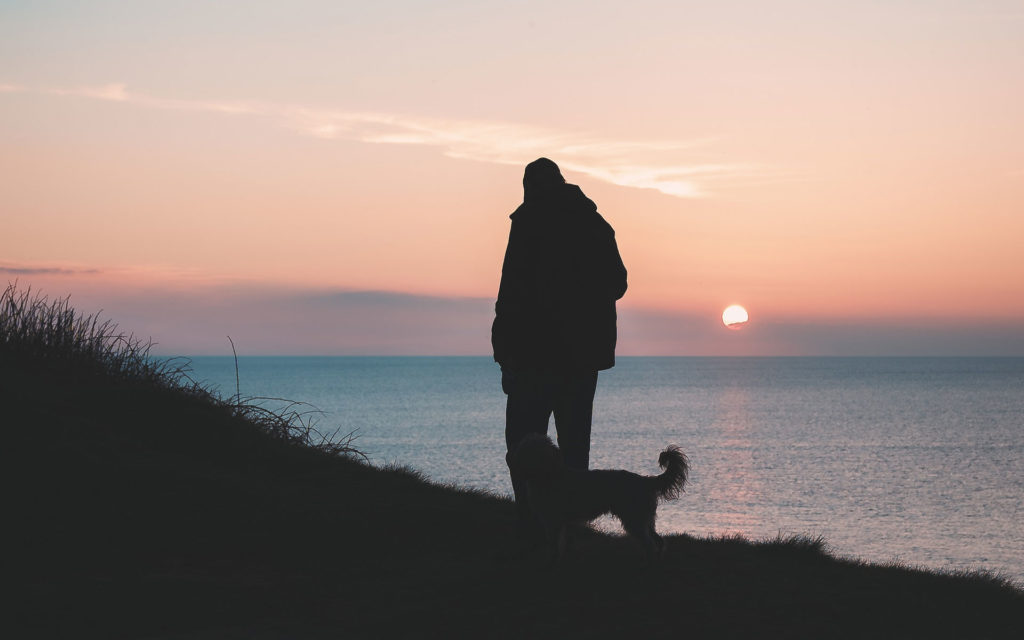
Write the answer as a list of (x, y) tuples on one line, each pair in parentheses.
[(143, 506)]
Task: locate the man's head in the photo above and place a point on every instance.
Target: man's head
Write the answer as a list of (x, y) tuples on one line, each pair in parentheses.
[(541, 177)]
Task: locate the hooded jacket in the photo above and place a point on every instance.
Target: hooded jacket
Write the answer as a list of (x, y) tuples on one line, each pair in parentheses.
[(559, 282)]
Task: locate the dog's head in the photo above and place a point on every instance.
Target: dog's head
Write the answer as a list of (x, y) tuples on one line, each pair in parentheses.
[(536, 457)]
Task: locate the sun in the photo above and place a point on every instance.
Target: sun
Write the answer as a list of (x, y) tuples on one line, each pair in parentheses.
[(735, 317)]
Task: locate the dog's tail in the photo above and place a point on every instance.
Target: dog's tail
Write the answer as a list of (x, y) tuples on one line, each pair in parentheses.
[(677, 469)]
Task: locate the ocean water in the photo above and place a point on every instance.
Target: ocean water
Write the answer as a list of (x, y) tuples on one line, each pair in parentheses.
[(919, 460)]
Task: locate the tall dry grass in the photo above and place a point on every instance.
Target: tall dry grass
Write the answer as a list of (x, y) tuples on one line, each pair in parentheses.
[(40, 333)]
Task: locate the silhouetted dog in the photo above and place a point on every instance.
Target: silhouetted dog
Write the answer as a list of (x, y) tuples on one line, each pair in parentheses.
[(559, 495)]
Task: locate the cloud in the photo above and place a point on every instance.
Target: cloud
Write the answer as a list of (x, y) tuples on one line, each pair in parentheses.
[(653, 332), (394, 300), (20, 270), (275, 321), (269, 319), (638, 164), (666, 166)]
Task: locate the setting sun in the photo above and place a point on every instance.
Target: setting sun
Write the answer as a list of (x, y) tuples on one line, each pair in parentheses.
[(735, 317)]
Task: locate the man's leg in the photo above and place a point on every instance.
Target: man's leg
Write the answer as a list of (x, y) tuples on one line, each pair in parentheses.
[(574, 411), (527, 410)]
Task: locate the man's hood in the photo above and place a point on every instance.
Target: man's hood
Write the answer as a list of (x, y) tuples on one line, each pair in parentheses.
[(567, 201)]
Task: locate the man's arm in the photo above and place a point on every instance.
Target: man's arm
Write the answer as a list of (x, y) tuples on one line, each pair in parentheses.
[(617, 270), (510, 295)]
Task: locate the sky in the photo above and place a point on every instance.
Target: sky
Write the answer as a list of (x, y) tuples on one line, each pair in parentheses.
[(336, 177)]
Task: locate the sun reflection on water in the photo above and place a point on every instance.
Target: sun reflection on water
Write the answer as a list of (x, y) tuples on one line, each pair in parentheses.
[(732, 427)]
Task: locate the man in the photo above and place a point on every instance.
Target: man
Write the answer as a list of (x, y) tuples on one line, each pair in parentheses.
[(554, 325)]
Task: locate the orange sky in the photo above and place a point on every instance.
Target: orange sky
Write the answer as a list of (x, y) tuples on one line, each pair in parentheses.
[(860, 164)]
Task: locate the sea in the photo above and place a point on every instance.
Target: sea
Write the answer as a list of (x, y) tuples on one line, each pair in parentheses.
[(914, 460)]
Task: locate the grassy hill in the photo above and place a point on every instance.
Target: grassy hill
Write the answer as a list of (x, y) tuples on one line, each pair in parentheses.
[(144, 506)]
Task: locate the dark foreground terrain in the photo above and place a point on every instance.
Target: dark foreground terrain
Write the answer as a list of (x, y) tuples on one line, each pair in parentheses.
[(142, 506)]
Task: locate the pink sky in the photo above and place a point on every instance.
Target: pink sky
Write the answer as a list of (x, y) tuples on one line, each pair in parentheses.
[(853, 173)]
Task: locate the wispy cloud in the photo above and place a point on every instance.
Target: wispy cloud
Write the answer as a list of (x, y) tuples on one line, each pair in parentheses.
[(666, 166), (24, 270), (273, 319)]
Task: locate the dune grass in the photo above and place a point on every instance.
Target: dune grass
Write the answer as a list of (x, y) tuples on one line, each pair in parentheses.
[(40, 334), (144, 505)]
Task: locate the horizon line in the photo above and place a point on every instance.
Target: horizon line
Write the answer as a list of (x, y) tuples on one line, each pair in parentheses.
[(617, 357)]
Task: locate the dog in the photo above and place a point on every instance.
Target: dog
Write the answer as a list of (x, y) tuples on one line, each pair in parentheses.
[(559, 495)]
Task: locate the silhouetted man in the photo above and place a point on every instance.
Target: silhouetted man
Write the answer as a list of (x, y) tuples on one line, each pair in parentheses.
[(554, 325)]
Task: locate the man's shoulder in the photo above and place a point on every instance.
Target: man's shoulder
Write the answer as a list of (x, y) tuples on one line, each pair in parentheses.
[(574, 194)]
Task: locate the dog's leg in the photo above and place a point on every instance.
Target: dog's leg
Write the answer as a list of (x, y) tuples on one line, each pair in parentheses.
[(659, 542), (650, 549), (562, 540), (556, 543), (642, 532)]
